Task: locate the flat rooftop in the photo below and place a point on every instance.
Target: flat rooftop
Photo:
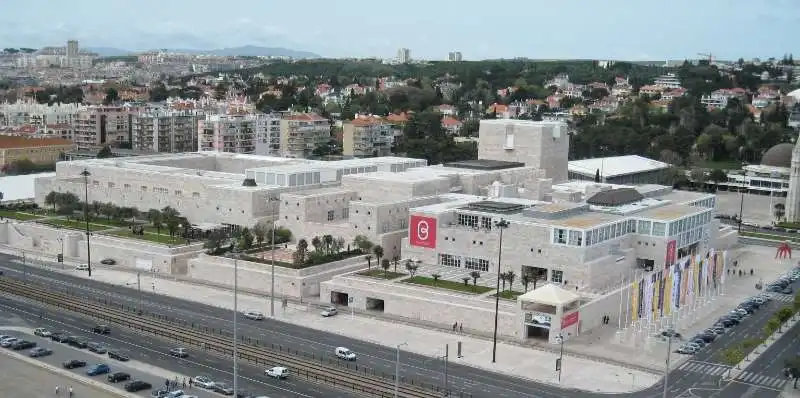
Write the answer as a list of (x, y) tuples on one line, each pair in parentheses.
[(615, 166), (484, 164)]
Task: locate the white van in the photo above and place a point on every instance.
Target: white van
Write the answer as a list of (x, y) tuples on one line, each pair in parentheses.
[(346, 354), (278, 372)]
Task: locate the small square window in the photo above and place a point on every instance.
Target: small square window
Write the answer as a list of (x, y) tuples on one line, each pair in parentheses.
[(331, 215)]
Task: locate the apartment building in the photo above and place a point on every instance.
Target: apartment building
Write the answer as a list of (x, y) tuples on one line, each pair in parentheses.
[(670, 80), (239, 133), (30, 112), (720, 98), (367, 136), (36, 150), (102, 125), (300, 133), (165, 131)]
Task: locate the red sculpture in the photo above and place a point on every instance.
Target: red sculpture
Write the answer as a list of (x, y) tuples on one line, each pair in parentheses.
[(784, 250)]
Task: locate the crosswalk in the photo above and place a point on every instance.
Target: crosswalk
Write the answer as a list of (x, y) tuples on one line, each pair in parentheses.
[(707, 368), (761, 380)]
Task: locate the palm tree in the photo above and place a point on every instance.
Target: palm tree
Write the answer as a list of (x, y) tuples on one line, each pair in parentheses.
[(385, 264), (510, 275), (317, 243), (338, 244), (369, 261), (156, 218), (503, 279), (466, 280), (435, 278), (396, 261), (328, 241), (475, 275), (411, 268), (525, 281), (780, 211), (302, 251), (378, 251)]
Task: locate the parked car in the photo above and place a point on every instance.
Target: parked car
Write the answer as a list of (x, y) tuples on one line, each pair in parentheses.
[(254, 315), (77, 342), (345, 353), (39, 352), (671, 333), (42, 332), (222, 388), (22, 345), (203, 382), (278, 372), (117, 377), (7, 342), (118, 355), (330, 311), (108, 261), (73, 364), (137, 385), (179, 352), (97, 348), (179, 394), (101, 329), (59, 337), (686, 350), (82, 267), (98, 369)]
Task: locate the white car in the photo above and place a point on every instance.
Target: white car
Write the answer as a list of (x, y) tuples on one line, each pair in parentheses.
[(42, 332), (345, 353), (254, 315), (330, 311), (179, 394), (82, 267), (8, 342), (278, 372), (203, 382)]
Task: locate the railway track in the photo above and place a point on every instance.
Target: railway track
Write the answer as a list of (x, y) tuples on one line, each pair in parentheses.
[(321, 370)]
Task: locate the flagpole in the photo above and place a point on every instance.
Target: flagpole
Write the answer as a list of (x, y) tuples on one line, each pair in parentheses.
[(628, 301), (619, 317)]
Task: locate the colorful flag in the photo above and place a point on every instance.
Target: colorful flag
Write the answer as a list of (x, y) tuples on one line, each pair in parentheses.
[(635, 299)]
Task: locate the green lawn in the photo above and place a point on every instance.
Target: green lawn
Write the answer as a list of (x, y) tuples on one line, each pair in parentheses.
[(380, 273), (723, 165), (509, 294), (450, 285), (110, 223), (19, 215), (72, 224), (150, 237)]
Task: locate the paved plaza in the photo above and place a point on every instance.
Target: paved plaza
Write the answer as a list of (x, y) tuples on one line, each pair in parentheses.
[(758, 209)]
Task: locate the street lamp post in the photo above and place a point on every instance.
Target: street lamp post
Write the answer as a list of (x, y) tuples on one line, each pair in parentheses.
[(502, 224), (666, 368), (272, 257), (560, 355), (397, 370), (85, 173), (235, 316)]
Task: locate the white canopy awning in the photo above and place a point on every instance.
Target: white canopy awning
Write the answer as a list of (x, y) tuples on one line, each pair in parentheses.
[(550, 294)]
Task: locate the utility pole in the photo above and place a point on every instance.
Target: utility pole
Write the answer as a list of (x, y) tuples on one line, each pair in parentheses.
[(272, 260), (139, 286), (666, 369), (235, 317), (446, 358), (24, 267), (502, 224)]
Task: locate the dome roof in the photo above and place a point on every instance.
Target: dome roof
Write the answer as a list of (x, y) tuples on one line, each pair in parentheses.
[(778, 156)]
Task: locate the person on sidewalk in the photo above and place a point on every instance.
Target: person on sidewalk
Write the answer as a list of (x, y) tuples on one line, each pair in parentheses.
[(70, 392), (58, 390), (461, 327)]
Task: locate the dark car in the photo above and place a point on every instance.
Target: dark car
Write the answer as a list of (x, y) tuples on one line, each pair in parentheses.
[(729, 320), (23, 345), (101, 329), (787, 290), (77, 342), (160, 393), (73, 364), (706, 337), (118, 355), (116, 377), (97, 348), (179, 352), (108, 261), (59, 337), (725, 323), (137, 385), (222, 388)]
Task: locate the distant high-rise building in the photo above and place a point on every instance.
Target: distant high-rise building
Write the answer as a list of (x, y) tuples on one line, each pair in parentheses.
[(454, 56), (404, 55), (72, 48)]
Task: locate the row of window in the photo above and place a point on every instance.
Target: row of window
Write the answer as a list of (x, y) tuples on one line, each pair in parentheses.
[(470, 263), (616, 230), (144, 188), (688, 223), (473, 221)]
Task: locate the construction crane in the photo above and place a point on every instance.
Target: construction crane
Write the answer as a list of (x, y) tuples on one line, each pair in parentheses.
[(707, 55)]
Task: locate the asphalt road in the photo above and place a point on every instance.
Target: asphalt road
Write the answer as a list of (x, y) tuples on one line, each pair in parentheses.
[(477, 382), (154, 351)]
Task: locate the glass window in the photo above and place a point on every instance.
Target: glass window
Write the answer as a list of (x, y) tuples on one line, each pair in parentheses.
[(560, 236), (556, 276), (575, 238), (486, 222), (449, 260), (331, 215), (468, 220), (658, 228)]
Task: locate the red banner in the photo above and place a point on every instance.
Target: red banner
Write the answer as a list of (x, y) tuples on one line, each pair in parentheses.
[(569, 319), (672, 253), (422, 232)]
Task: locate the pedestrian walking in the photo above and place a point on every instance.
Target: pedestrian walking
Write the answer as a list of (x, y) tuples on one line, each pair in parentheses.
[(70, 392), (58, 390), (461, 328), (751, 272), (455, 325), (184, 382), (190, 383)]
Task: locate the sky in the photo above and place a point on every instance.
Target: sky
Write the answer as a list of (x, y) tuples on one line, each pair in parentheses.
[(538, 29)]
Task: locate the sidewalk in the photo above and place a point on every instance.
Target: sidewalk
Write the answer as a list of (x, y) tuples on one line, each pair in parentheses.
[(523, 362)]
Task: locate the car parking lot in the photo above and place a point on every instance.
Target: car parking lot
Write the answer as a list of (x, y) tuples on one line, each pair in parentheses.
[(781, 289), (82, 362)]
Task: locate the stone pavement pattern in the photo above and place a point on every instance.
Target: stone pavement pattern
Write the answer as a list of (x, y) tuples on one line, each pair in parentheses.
[(515, 360), (23, 380)]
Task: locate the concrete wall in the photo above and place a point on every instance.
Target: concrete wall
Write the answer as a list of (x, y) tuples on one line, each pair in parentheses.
[(442, 307), (45, 239), (543, 145), (289, 282)]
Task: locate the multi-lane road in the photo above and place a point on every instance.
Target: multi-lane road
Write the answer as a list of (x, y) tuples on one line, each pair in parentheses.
[(477, 382)]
